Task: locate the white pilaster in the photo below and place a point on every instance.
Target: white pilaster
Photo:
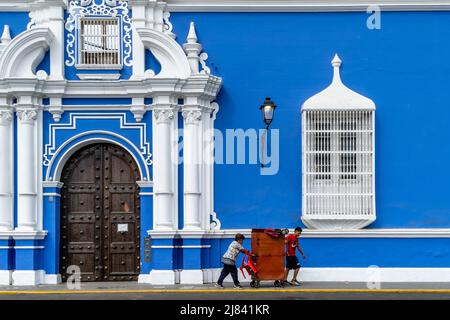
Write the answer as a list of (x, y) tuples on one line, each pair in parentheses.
[(164, 164), (27, 171), (138, 21), (192, 155), (6, 182), (208, 168)]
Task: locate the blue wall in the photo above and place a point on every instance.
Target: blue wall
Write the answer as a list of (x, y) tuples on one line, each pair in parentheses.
[(17, 22), (403, 67)]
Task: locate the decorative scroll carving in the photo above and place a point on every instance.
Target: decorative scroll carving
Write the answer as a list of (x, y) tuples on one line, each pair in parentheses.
[(192, 116)]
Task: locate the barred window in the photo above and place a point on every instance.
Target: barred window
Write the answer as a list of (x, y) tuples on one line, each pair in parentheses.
[(99, 42), (338, 157), (338, 162)]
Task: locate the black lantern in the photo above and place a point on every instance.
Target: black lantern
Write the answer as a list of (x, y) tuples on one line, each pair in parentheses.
[(268, 109)]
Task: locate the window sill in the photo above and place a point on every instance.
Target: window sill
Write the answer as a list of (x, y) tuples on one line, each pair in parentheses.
[(99, 66), (98, 76)]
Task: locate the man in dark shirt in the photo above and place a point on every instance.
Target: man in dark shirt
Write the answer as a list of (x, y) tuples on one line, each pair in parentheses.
[(291, 259)]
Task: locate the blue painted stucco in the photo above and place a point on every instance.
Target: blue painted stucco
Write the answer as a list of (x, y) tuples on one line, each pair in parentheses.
[(17, 22), (403, 67)]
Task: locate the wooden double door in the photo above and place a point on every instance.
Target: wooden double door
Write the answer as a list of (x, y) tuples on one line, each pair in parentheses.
[(100, 215)]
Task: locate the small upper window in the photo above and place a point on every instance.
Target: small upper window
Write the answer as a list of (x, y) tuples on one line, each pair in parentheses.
[(99, 43)]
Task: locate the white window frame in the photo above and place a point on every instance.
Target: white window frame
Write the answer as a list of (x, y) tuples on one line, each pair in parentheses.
[(98, 66), (338, 198), (338, 172)]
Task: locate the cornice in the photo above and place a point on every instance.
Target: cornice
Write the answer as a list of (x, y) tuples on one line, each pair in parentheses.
[(28, 5), (23, 235), (206, 86), (259, 5)]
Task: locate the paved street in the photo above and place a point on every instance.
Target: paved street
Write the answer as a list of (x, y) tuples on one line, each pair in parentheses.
[(308, 291)]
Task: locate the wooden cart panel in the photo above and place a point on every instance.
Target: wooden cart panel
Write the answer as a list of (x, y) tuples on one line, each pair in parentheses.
[(269, 252)]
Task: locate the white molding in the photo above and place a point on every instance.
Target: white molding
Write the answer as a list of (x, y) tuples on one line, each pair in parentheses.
[(270, 5), (303, 5), (182, 247), (25, 52), (309, 233), (98, 76), (201, 85), (29, 247), (52, 184), (23, 235), (170, 55), (5, 277)]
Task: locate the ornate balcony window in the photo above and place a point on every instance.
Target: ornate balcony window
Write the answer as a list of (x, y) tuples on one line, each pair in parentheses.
[(338, 152), (98, 34), (99, 42)]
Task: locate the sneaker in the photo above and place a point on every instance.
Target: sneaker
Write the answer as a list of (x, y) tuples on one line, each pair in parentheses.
[(238, 286), (295, 283), (218, 285)]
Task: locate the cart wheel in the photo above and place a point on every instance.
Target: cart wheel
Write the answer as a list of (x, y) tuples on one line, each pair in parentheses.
[(253, 284), (257, 284), (277, 284)]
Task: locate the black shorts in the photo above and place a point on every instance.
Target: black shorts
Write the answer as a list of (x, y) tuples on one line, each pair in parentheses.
[(292, 263)]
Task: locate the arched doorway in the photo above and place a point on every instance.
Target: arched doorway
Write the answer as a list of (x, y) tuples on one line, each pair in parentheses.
[(100, 214)]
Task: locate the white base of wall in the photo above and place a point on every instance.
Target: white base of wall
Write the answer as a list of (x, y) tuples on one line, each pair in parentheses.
[(5, 277), (28, 277), (368, 275), (158, 277), (52, 279), (215, 274), (374, 274), (208, 275), (191, 277)]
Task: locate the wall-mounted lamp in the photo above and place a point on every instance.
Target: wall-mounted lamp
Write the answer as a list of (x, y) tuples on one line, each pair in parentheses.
[(268, 110)]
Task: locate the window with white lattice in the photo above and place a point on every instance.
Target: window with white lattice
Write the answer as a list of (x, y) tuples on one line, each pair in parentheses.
[(99, 43), (338, 158)]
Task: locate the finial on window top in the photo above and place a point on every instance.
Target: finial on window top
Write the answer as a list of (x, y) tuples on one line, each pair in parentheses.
[(192, 36), (337, 96), (336, 63), (6, 36)]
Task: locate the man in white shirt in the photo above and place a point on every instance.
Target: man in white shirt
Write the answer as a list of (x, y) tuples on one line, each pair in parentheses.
[(229, 261)]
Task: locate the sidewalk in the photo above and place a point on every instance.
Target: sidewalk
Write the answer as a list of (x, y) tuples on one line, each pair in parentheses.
[(94, 287)]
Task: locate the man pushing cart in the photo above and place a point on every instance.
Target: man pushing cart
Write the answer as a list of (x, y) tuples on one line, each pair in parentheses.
[(266, 261)]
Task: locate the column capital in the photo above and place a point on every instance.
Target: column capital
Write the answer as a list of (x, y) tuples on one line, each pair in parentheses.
[(27, 115), (164, 115), (192, 116), (5, 117)]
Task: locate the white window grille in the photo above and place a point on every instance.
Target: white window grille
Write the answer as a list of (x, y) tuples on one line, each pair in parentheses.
[(338, 158), (99, 43)]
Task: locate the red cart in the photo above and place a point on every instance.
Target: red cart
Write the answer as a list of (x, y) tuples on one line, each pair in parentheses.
[(266, 263)]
